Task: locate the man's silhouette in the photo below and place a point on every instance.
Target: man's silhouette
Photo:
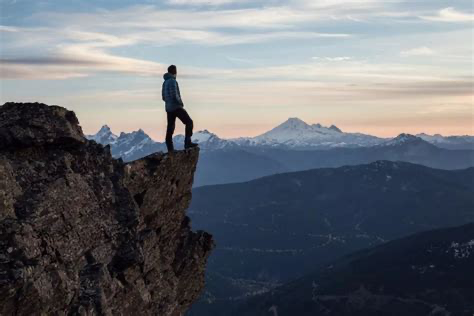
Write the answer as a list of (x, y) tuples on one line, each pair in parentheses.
[(175, 109)]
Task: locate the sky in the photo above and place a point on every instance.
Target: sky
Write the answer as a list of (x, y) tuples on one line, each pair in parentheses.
[(371, 66)]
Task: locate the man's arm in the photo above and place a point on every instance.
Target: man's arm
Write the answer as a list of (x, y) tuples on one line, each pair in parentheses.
[(171, 92), (178, 94)]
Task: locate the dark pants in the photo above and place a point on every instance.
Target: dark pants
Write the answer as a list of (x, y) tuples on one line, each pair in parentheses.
[(184, 117)]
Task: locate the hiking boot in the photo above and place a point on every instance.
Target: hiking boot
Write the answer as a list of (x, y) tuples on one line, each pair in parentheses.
[(190, 145)]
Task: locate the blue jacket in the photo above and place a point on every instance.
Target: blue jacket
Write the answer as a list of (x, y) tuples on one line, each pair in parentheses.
[(170, 93)]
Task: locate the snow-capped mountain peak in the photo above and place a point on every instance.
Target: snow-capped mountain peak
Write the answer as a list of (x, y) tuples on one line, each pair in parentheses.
[(293, 123), (198, 137), (135, 136), (103, 136), (403, 139), (203, 136), (206, 140), (295, 133), (296, 124), (104, 129)]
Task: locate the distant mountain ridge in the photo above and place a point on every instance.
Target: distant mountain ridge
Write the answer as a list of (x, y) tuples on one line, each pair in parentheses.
[(227, 160), (403, 139), (136, 144), (294, 133), (449, 142)]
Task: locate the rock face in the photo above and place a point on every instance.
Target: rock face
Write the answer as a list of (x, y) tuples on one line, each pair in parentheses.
[(83, 233)]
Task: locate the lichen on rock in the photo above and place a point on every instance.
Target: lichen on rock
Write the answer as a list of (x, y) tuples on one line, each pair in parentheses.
[(82, 233)]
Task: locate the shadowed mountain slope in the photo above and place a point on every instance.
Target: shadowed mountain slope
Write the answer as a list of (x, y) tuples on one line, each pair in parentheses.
[(429, 273), (277, 228)]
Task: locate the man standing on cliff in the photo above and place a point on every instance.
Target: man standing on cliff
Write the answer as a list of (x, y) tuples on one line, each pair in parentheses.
[(175, 109)]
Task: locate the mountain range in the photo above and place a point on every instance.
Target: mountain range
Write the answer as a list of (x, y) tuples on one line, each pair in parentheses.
[(294, 133), (277, 228), (293, 146)]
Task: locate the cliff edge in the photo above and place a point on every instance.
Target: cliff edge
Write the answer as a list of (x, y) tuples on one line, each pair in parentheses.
[(84, 234)]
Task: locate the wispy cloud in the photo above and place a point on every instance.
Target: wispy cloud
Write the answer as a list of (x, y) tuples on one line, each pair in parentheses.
[(204, 2), (460, 108), (418, 51), (337, 58), (79, 53), (347, 4), (80, 43), (152, 17), (450, 15), (72, 54), (4, 28)]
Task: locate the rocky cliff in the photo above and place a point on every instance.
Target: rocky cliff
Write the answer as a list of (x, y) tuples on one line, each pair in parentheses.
[(83, 233)]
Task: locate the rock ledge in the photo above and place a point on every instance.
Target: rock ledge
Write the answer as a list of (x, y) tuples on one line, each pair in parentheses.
[(84, 234)]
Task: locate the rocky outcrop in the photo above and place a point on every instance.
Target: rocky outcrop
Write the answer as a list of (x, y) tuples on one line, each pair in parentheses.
[(83, 233)]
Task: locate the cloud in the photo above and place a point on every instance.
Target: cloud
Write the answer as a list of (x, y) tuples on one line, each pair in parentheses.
[(80, 44), (71, 53), (460, 108), (339, 58), (242, 60), (63, 61), (328, 70), (166, 37), (81, 59), (343, 3), (301, 94), (5, 28), (21, 71), (68, 45), (419, 51), (302, 4), (203, 2), (425, 89), (151, 17), (161, 27), (75, 60), (450, 15)]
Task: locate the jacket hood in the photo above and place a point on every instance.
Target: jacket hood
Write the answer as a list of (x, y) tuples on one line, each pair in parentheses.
[(167, 76)]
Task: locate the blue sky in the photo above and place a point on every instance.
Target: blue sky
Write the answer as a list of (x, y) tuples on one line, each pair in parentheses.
[(379, 67)]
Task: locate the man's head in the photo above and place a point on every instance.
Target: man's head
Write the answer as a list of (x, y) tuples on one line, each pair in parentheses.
[(172, 70)]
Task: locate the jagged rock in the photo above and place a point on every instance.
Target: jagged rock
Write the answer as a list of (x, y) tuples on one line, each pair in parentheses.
[(37, 124), (84, 234)]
